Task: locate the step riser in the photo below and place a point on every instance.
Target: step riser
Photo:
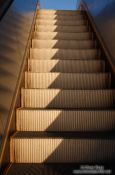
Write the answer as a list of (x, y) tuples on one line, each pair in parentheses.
[(66, 66), (44, 28), (61, 150), (48, 54), (67, 81), (61, 44), (70, 121), (62, 36), (97, 99), (61, 22), (61, 17), (59, 12)]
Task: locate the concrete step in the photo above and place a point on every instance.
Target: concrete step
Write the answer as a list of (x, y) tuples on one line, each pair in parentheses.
[(64, 120), (56, 28), (39, 147), (64, 54), (63, 44), (70, 99), (67, 80), (59, 12), (61, 22), (66, 66), (62, 36)]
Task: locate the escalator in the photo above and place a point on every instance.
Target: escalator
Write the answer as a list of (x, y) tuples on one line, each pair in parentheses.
[(66, 117)]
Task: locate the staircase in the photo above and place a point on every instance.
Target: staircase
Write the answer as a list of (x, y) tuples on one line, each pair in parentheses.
[(67, 112)]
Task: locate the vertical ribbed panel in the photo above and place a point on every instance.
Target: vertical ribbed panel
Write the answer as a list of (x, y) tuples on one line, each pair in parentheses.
[(46, 54), (63, 44), (56, 28), (67, 98), (60, 12), (59, 120), (67, 80), (61, 17), (37, 150), (63, 36), (61, 22), (64, 66)]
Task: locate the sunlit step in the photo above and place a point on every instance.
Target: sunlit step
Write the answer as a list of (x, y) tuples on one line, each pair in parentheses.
[(64, 54), (67, 80), (61, 17), (61, 22), (56, 28), (60, 12), (63, 36), (63, 44), (35, 147), (66, 66), (71, 99), (64, 120)]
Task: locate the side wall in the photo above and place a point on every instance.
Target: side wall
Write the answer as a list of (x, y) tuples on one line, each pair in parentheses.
[(103, 14), (15, 28)]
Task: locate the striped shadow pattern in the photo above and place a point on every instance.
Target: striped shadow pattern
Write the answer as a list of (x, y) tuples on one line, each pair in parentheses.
[(67, 111), (65, 120)]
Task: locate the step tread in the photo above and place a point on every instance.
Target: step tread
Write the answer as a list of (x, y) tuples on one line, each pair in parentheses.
[(56, 28), (61, 22), (52, 10), (64, 120), (62, 147), (71, 54), (64, 44), (68, 80), (64, 135), (63, 41), (70, 74), (63, 36), (57, 98), (63, 33), (60, 17), (66, 12), (61, 26), (45, 169), (66, 110), (66, 66)]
